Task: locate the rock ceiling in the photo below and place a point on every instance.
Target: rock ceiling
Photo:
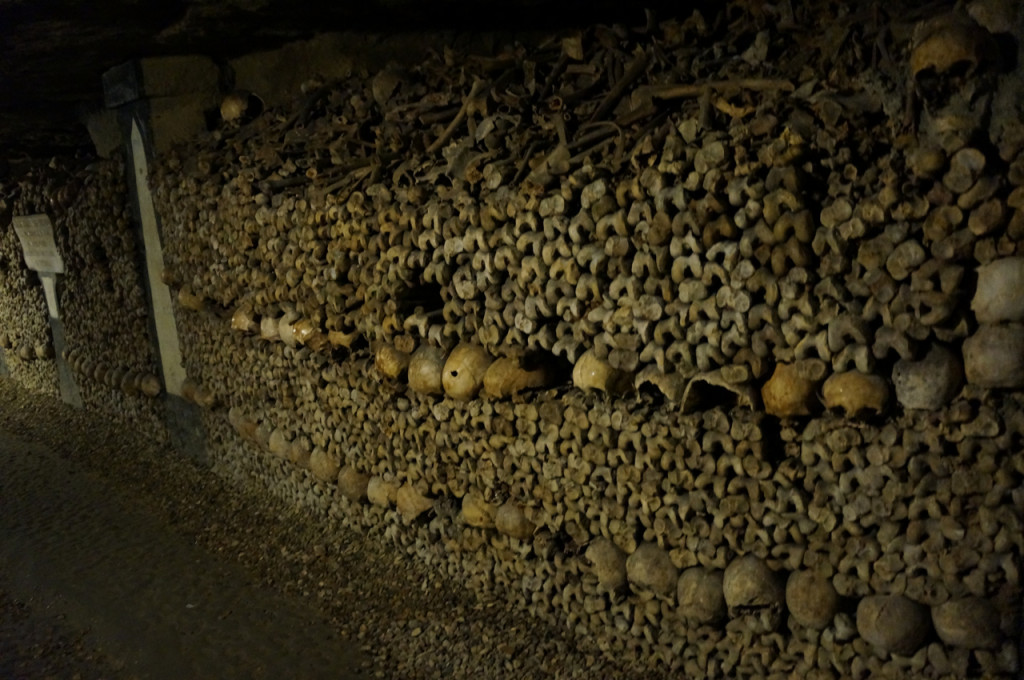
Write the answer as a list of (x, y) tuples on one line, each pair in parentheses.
[(52, 52)]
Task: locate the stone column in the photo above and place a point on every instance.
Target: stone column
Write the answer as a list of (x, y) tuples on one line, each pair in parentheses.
[(158, 102)]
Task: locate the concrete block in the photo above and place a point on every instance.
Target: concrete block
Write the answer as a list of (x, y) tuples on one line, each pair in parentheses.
[(160, 77), (122, 84), (179, 75), (105, 132), (177, 119), (277, 75)]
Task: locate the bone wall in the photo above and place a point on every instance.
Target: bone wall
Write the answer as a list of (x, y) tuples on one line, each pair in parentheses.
[(699, 338), (101, 301), (25, 338)]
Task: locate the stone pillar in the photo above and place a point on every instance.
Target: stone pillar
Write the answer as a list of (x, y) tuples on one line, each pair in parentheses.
[(66, 380), (158, 102)]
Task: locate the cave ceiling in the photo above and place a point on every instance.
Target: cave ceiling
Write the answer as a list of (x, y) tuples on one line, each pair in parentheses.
[(53, 52)]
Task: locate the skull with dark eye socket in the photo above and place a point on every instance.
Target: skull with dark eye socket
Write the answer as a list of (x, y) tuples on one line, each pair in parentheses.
[(951, 54), (954, 66)]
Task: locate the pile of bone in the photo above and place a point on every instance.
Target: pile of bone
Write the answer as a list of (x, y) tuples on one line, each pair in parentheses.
[(100, 295), (415, 487), (707, 251), (682, 249), (23, 314)]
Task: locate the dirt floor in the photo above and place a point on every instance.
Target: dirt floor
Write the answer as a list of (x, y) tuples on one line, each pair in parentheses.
[(119, 559)]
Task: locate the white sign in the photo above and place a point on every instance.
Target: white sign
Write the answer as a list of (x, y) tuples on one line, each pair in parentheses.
[(36, 235)]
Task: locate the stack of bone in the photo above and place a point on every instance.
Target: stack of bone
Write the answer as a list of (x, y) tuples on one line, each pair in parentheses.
[(103, 303), (24, 328), (661, 332), (100, 296)]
